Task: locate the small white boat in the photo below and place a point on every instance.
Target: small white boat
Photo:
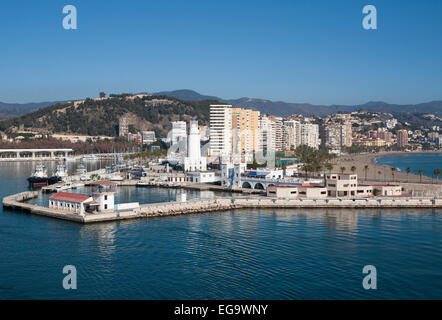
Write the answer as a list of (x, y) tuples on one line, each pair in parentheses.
[(78, 185), (81, 169), (116, 178), (90, 158), (85, 178)]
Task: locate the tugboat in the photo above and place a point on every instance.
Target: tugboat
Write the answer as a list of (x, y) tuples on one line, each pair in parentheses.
[(61, 173), (40, 177)]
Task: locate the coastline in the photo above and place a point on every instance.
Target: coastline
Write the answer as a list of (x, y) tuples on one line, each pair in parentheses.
[(380, 173)]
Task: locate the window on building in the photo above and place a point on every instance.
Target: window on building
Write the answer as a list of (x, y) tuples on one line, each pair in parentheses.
[(105, 197)]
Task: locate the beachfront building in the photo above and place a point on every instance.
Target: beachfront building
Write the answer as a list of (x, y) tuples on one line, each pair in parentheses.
[(387, 190), (346, 185), (296, 192), (342, 184)]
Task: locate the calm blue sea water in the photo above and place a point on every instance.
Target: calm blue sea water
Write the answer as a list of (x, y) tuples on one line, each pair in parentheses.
[(427, 162), (259, 254)]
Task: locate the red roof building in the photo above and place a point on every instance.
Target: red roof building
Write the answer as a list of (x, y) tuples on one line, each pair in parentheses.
[(70, 197)]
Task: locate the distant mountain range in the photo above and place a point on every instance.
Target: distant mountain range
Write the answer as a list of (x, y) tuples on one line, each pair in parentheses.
[(280, 108), (277, 108), (11, 110)]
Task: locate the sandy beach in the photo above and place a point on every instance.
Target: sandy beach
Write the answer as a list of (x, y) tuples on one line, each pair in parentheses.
[(376, 172)]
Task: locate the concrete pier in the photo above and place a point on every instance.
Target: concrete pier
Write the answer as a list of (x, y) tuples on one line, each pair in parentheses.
[(16, 202)]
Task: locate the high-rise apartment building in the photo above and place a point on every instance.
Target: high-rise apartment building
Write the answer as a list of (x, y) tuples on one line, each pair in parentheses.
[(310, 135), (245, 131), (337, 136), (332, 133), (402, 138), (220, 130), (292, 135), (279, 133), (267, 135)]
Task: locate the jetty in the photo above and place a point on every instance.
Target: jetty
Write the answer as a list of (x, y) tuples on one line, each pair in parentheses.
[(173, 208)]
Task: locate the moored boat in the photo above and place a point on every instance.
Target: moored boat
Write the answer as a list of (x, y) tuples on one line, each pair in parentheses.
[(61, 173), (40, 177)]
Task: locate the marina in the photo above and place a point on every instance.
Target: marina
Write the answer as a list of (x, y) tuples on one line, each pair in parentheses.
[(253, 189)]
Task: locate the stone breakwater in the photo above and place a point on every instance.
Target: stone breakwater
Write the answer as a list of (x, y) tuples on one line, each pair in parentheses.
[(16, 202)]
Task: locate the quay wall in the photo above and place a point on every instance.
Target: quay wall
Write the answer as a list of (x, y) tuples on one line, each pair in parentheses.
[(218, 204), (196, 206)]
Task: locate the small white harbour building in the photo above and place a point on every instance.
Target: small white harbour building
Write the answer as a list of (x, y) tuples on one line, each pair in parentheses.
[(83, 203)]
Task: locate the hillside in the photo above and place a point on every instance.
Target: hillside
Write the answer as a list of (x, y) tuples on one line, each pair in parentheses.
[(100, 117)]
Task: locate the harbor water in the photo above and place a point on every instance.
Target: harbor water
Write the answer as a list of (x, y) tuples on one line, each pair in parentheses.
[(245, 254)]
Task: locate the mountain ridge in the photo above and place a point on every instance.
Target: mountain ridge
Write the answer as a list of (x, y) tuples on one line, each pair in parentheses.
[(281, 108), (266, 106)]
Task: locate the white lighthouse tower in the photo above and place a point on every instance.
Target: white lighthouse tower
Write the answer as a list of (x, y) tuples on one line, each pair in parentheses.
[(194, 161)]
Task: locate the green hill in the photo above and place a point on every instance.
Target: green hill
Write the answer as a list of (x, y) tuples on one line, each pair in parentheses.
[(100, 117)]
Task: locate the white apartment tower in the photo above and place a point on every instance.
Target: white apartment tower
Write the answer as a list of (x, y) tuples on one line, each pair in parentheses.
[(220, 130), (279, 134), (310, 135), (293, 134), (267, 135)]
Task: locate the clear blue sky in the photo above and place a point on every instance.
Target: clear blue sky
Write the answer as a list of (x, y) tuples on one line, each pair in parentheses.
[(295, 50)]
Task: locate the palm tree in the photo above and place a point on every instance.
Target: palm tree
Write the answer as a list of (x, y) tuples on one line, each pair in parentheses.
[(353, 169), (408, 172), (342, 169), (437, 173), (318, 169), (393, 171), (366, 170), (329, 167), (420, 174)]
